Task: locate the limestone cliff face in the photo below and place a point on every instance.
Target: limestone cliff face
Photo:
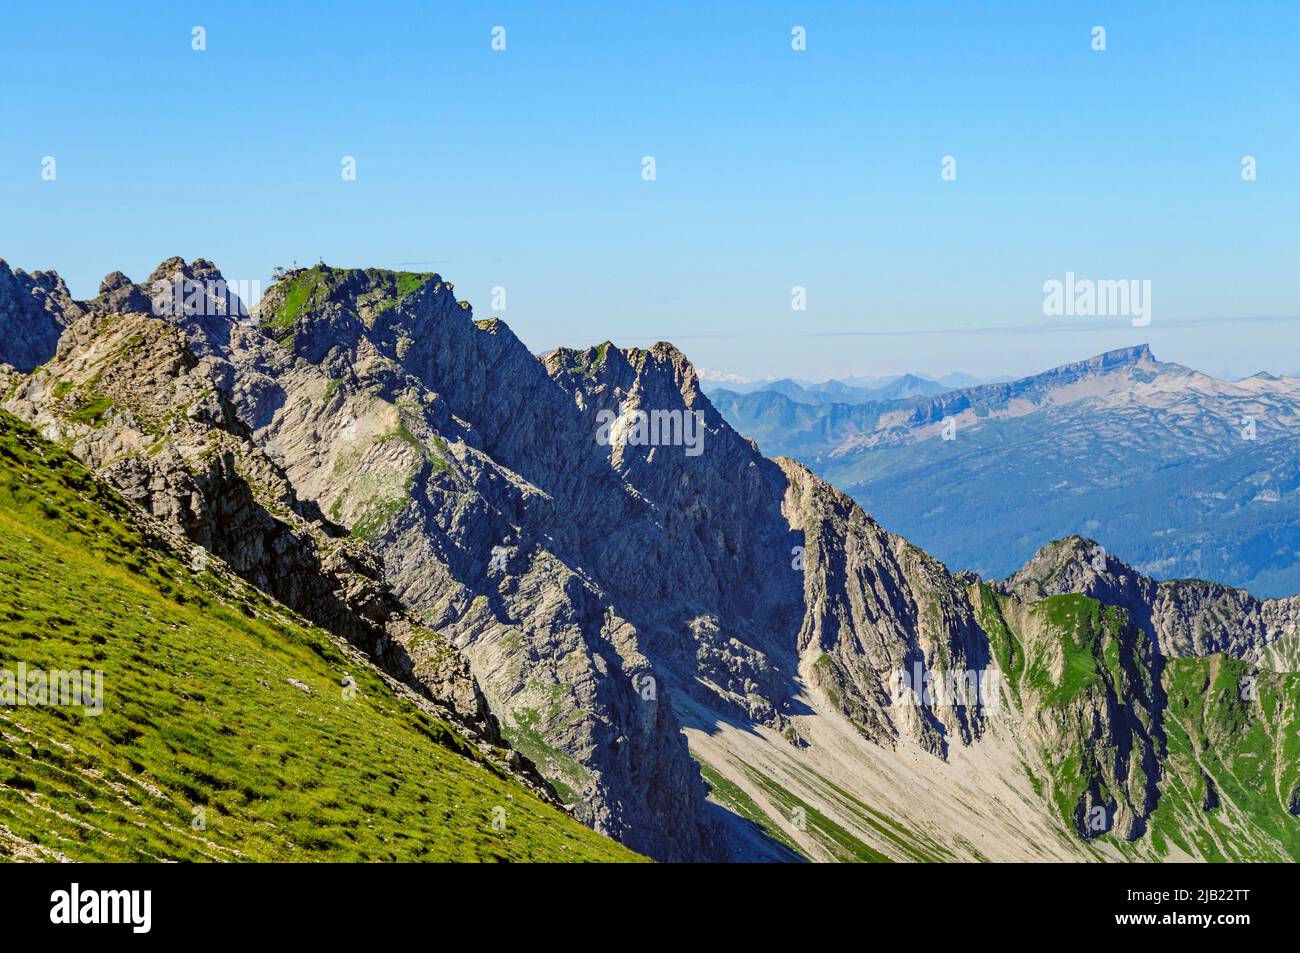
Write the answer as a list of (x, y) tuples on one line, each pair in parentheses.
[(879, 607), (701, 549)]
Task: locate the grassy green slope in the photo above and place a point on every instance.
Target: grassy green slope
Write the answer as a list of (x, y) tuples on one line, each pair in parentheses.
[(1230, 774), (1233, 771), (199, 711)]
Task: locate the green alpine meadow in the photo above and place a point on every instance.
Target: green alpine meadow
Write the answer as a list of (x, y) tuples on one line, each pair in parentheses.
[(225, 734)]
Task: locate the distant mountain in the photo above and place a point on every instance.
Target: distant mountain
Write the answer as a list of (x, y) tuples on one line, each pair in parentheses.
[(909, 385), (831, 390), (1177, 472), (956, 380), (792, 389), (735, 387), (834, 391)]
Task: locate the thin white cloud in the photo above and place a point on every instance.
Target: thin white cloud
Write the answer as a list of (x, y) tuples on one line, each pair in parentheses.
[(709, 374)]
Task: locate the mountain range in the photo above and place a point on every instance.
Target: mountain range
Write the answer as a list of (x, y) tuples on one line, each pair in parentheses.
[(1179, 473), (850, 390), (574, 593)]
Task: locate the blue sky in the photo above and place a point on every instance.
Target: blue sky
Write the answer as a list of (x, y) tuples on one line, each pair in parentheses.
[(820, 169)]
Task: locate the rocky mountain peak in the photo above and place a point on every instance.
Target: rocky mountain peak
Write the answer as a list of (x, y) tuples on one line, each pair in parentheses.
[(1136, 354), (659, 377), (196, 293), (118, 294), (308, 302), (1073, 564), (1185, 617), (34, 310)]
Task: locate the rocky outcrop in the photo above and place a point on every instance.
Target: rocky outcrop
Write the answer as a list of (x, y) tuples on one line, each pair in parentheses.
[(34, 310), (127, 395), (883, 620), (118, 294)]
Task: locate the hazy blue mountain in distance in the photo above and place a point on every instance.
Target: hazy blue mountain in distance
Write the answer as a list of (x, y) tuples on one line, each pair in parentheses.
[(735, 387), (792, 389), (957, 379), (949, 381), (841, 392), (1176, 472), (833, 390)]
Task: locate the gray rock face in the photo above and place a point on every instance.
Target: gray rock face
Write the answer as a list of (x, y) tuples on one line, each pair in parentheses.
[(34, 310), (878, 606), (449, 445)]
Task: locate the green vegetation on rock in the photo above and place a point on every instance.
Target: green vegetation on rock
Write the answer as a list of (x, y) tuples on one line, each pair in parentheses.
[(92, 412), (1232, 778), (374, 290)]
